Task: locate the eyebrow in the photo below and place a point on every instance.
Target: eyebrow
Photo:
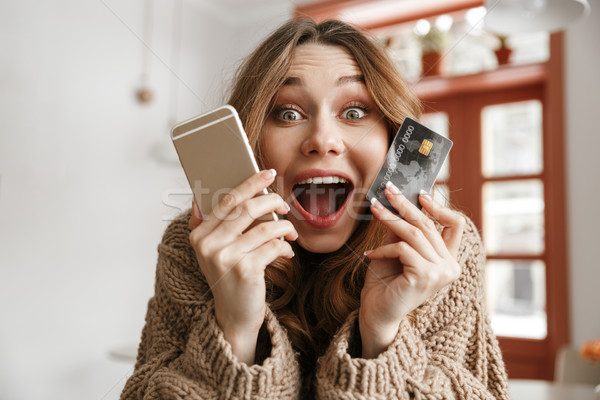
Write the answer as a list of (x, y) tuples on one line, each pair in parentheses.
[(344, 80)]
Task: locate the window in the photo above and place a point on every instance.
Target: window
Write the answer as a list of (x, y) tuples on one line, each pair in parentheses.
[(506, 173)]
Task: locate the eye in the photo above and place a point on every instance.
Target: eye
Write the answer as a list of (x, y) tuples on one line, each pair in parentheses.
[(288, 115), (354, 113)]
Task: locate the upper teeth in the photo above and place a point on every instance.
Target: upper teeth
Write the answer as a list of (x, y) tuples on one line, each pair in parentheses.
[(323, 179)]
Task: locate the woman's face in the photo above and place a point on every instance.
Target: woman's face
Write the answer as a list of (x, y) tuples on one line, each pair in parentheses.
[(327, 139)]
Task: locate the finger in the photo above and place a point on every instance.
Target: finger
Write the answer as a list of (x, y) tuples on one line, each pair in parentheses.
[(267, 253), (233, 253), (383, 269), (236, 196), (453, 222), (241, 217), (264, 232), (407, 210), (196, 217), (404, 230), (399, 250), (414, 216)]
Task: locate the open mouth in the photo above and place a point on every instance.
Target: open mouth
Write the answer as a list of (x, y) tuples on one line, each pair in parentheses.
[(322, 196)]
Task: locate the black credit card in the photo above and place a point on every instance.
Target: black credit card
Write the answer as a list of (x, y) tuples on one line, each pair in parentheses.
[(412, 163)]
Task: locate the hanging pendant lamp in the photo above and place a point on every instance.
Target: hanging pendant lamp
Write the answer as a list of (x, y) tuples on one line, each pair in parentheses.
[(507, 17)]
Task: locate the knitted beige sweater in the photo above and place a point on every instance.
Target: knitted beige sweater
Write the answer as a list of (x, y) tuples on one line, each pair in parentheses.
[(447, 352)]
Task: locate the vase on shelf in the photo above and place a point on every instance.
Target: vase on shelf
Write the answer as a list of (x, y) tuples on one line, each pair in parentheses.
[(431, 63), (503, 52), (433, 45)]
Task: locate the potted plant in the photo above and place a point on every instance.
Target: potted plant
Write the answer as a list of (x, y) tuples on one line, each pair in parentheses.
[(503, 52), (433, 44)]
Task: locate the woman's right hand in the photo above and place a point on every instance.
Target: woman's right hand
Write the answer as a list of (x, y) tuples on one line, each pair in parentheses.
[(233, 251)]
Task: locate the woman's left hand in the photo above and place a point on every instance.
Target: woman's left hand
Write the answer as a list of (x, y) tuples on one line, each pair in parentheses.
[(415, 263)]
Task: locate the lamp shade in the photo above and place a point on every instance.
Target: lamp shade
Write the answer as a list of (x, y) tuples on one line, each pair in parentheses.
[(507, 17)]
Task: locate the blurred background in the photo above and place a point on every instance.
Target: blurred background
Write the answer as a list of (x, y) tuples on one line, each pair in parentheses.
[(89, 178)]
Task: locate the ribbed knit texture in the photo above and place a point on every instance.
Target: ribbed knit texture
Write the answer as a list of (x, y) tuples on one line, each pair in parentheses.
[(447, 351)]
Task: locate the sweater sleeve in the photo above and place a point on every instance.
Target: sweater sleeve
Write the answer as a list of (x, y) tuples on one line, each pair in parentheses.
[(447, 351), (183, 353)]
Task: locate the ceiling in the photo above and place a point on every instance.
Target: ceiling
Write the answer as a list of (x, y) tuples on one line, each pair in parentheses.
[(237, 4), (242, 12)]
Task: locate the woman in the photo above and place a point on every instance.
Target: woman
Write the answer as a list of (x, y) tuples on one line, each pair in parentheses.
[(356, 302)]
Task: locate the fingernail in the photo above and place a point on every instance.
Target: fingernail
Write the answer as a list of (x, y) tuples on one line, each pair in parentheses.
[(376, 204), (268, 174), (366, 253), (392, 188), (287, 206), (425, 194)]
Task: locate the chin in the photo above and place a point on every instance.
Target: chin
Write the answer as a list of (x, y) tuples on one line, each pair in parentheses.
[(320, 245), (326, 240)]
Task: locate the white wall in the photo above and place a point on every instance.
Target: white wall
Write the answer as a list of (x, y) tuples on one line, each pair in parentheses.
[(582, 90), (81, 197)]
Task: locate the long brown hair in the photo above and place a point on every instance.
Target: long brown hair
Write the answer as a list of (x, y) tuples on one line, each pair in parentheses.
[(311, 294)]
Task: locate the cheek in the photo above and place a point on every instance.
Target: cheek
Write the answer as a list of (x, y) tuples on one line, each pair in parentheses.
[(275, 150), (268, 145), (373, 153)]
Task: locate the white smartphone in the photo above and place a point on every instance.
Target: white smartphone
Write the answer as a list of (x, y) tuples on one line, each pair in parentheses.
[(215, 154)]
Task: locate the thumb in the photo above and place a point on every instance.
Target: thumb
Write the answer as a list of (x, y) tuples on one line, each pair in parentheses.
[(196, 218)]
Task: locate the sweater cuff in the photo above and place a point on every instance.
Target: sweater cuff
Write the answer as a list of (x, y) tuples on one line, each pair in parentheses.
[(387, 375), (210, 360)]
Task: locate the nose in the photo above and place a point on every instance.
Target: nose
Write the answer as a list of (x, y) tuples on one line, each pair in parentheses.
[(324, 137)]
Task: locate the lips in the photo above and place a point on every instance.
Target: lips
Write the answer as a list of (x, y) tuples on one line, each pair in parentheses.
[(321, 196)]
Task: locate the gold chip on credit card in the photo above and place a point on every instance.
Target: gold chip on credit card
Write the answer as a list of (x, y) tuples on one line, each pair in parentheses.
[(425, 148)]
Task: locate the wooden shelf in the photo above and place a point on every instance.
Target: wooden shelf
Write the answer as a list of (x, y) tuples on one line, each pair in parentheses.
[(505, 77)]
